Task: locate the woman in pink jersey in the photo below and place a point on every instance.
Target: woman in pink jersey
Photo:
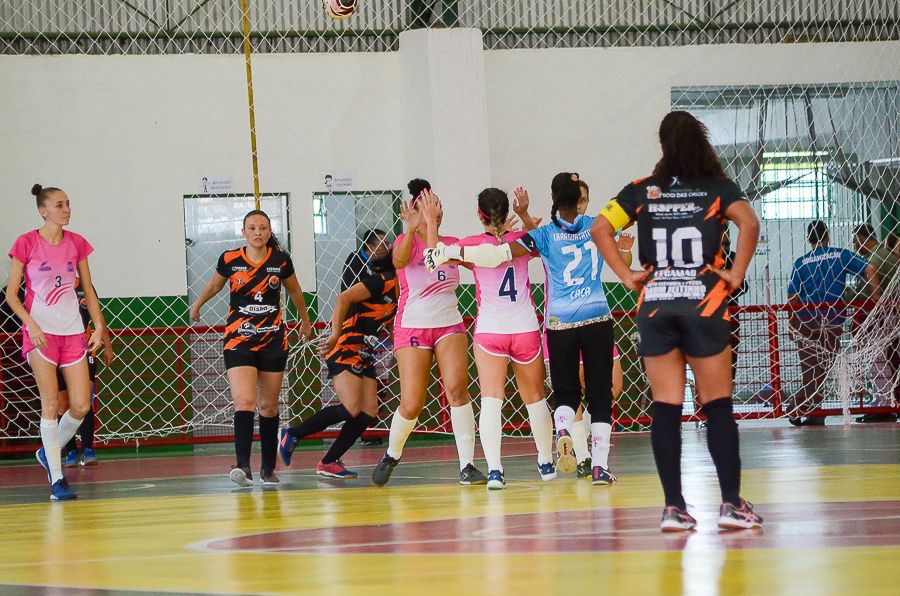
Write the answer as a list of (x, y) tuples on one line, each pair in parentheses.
[(506, 328), (53, 333), (428, 328)]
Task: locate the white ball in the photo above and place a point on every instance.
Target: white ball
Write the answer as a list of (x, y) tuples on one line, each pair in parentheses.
[(340, 9)]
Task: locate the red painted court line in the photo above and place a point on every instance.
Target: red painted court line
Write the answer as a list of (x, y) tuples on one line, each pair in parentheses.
[(210, 465), (787, 526)]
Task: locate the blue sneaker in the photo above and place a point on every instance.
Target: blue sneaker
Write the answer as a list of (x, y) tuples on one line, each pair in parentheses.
[(286, 444), (42, 459), (71, 459), (88, 458), (61, 491), (547, 471), (601, 475), (495, 480), (565, 452)]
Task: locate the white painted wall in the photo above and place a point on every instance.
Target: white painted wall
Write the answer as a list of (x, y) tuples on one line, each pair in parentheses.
[(128, 136)]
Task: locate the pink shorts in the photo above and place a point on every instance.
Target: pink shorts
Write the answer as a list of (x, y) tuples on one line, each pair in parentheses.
[(61, 350), (521, 348), (547, 352), (426, 339)]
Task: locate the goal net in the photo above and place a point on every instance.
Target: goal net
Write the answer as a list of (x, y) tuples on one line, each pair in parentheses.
[(801, 101)]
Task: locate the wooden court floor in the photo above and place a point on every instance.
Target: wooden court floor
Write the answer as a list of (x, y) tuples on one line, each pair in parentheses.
[(830, 497)]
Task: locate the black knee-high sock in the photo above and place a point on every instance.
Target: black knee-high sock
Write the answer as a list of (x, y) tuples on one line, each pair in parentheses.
[(243, 438), (86, 430), (724, 447), (321, 420), (665, 437), (268, 440), (350, 432)]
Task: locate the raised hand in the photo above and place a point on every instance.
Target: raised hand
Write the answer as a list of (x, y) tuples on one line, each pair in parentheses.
[(429, 206), (410, 216), (520, 201)]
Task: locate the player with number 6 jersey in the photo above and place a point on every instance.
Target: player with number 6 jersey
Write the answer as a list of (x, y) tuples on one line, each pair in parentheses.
[(428, 328), (506, 329)]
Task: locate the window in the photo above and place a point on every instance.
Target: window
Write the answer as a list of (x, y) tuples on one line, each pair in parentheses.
[(320, 221), (797, 185)]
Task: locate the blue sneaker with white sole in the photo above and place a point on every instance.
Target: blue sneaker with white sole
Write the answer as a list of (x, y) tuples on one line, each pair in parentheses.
[(42, 459), (286, 444), (547, 471), (496, 480), (61, 491), (88, 458)]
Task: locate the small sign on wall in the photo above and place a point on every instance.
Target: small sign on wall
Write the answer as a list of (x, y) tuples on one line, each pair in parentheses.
[(337, 181), (216, 185)]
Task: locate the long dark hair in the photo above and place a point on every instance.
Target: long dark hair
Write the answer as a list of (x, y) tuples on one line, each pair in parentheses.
[(42, 193), (686, 150), (273, 242), (493, 208), (556, 186), (567, 196), (415, 188)]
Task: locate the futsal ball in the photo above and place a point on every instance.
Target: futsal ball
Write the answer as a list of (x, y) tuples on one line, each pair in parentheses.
[(340, 9)]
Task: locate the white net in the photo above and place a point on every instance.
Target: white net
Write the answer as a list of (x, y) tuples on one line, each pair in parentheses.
[(802, 101)]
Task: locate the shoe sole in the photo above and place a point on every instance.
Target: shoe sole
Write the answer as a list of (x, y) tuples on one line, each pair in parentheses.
[(601, 482), (473, 482), (728, 523), (89, 464), (676, 527), (338, 476), (270, 483), (565, 459), (495, 485), (238, 476), (75, 465), (57, 499)]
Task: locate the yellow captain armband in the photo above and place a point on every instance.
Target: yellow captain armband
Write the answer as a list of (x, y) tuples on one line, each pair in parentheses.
[(616, 216)]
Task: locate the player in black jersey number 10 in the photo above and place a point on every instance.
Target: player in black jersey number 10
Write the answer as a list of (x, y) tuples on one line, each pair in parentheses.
[(681, 211), (255, 342)]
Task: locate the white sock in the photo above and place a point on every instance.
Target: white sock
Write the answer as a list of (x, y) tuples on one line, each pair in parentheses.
[(50, 440), (67, 428), (586, 418), (400, 430), (579, 437), (490, 429), (541, 430), (462, 418), (564, 417), (600, 432)]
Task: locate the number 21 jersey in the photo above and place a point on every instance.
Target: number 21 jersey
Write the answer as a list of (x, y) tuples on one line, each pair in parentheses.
[(254, 314), (680, 229)]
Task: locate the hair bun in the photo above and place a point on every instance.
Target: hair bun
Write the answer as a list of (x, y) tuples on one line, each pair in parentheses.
[(36, 189)]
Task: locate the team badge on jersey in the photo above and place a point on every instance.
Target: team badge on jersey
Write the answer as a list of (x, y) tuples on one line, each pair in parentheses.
[(274, 282), (653, 192)]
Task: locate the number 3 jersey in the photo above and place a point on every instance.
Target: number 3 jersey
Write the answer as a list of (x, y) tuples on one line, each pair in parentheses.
[(574, 289), (254, 314), (679, 234), (503, 294)]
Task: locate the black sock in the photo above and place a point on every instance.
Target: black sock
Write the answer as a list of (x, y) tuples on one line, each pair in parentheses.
[(268, 440), (350, 432), (724, 447), (243, 438), (86, 430), (321, 420), (665, 437)]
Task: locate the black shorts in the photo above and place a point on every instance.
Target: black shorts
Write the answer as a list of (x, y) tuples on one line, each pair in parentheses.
[(361, 367), (263, 360), (696, 336), (92, 372)]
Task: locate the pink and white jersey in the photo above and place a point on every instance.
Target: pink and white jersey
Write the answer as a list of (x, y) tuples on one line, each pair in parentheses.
[(427, 300), (505, 304), (50, 273)]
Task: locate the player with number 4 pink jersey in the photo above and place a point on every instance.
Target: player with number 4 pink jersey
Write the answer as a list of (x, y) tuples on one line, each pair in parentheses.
[(506, 324)]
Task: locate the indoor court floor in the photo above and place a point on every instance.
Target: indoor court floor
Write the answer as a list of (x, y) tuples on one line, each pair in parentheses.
[(830, 498)]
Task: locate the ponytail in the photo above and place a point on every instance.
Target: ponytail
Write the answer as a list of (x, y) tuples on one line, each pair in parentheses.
[(493, 207)]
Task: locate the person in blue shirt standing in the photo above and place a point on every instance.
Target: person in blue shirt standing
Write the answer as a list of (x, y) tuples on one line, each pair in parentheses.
[(820, 277)]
